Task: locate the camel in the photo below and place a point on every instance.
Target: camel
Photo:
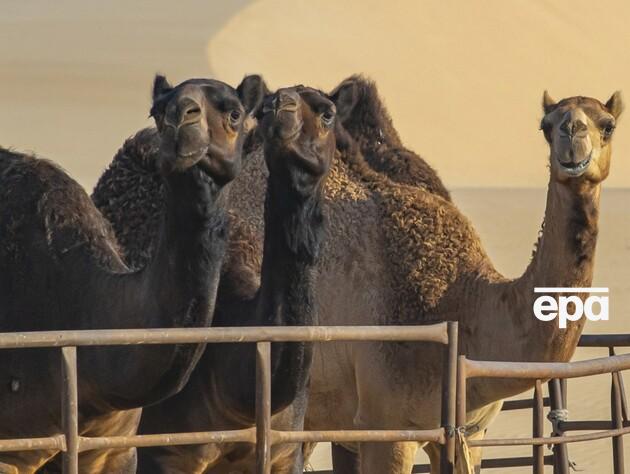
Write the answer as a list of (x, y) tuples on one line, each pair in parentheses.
[(62, 268), (364, 116), (399, 254), (296, 130)]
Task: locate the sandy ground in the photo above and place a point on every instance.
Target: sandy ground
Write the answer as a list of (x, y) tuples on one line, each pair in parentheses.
[(508, 221)]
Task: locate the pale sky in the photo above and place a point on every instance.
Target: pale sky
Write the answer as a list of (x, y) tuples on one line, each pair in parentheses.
[(463, 80)]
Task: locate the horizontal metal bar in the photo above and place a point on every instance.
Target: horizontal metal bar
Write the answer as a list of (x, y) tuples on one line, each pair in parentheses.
[(108, 337), (485, 464), (33, 444), (513, 462), (348, 436), (549, 440), (168, 439), (604, 340), (585, 425), (510, 405), (547, 370)]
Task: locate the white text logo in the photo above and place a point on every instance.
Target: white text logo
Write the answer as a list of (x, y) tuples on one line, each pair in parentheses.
[(547, 308)]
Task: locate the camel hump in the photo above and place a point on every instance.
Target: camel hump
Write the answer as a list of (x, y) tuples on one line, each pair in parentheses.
[(130, 195), (37, 195)]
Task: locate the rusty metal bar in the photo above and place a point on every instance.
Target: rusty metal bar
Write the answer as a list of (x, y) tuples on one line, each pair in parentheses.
[(462, 366), (169, 439), (449, 382), (349, 436), (510, 405), (538, 455), (112, 337), (561, 455), (585, 425), (263, 408), (33, 444), (547, 370), (70, 410), (604, 340), (616, 410), (512, 462), (550, 439)]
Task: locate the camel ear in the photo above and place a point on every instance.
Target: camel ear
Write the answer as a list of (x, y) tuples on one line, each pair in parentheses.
[(160, 86), (345, 97), (615, 104), (548, 103), (252, 91)]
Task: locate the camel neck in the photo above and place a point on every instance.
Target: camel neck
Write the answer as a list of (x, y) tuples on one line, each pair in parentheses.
[(564, 257), (190, 250), (177, 288), (293, 221)]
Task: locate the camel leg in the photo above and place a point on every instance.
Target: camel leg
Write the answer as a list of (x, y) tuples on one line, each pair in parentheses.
[(433, 450), (387, 458), (344, 461)]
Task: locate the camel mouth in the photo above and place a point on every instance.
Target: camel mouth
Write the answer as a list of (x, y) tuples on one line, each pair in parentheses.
[(576, 169)]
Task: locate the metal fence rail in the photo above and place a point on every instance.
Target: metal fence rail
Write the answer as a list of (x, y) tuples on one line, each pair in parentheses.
[(615, 429), (70, 443)]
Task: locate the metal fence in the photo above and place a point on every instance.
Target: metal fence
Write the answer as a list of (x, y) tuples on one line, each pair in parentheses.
[(71, 443), (614, 429), (456, 372)]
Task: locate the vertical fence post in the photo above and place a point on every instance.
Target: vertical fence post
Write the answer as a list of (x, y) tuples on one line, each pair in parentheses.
[(538, 429), (70, 409), (449, 382), (616, 411), (460, 416), (560, 454), (263, 408)]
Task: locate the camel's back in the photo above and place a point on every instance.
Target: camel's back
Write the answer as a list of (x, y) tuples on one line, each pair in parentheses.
[(391, 251), (37, 196)]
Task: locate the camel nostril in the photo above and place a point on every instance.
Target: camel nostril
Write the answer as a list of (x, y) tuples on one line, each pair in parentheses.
[(188, 111), (287, 100)]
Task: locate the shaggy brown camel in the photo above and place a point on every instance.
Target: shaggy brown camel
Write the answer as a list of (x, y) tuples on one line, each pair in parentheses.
[(62, 269), (397, 254), (363, 114), (298, 144)]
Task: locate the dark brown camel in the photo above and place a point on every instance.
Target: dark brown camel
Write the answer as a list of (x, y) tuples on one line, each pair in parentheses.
[(62, 269), (363, 114), (296, 131)]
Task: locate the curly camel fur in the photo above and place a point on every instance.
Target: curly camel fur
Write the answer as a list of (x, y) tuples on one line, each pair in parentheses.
[(363, 114)]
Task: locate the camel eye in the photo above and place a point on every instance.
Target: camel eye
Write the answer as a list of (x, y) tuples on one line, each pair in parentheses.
[(608, 129), (328, 117), (235, 116)]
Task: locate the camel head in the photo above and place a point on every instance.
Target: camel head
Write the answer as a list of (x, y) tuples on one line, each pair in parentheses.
[(297, 127), (362, 112), (579, 131), (205, 122)]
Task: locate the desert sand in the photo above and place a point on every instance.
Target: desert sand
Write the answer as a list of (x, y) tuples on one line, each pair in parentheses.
[(463, 81)]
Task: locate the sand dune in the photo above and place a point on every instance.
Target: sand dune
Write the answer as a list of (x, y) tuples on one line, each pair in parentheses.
[(463, 80)]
